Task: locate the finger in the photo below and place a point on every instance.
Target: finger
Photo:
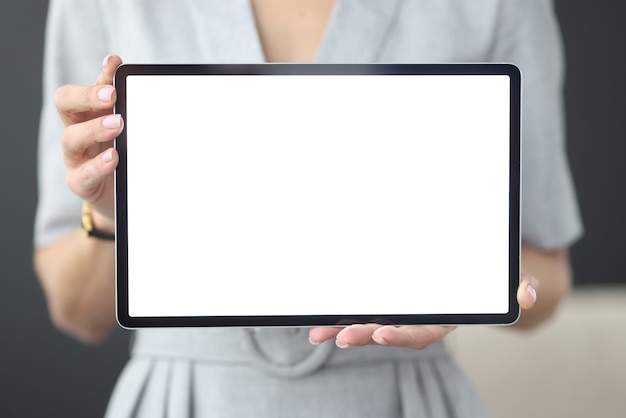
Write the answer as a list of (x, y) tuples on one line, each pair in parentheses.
[(356, 335), (527, 291), (78, 139), (89, 179), (109, 65), (318, 335), (416, 337), (71, 101)]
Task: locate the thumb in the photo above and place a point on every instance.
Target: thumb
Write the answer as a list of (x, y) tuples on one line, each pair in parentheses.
[(109, 65), (527, 291)]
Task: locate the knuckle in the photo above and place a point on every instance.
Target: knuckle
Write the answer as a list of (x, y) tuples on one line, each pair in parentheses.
[(59, 96), (76, 139), (82, 180), (86, 176), (89, 131), (87, 97), (70, 180), (66, 139)]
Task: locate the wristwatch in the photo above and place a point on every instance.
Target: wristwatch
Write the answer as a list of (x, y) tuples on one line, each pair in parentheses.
[(87, 223)]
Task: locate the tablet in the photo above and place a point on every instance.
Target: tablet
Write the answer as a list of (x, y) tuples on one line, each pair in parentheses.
[(317, 195)]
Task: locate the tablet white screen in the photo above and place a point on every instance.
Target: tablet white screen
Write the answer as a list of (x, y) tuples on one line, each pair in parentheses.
[(317, 195)]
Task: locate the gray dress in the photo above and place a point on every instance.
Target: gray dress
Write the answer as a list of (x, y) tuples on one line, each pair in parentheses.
[(276, 372)]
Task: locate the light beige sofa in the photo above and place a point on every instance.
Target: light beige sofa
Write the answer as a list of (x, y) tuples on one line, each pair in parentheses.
[(574, 366)]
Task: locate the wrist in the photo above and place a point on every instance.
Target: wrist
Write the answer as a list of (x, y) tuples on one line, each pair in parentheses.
[(96, 224)]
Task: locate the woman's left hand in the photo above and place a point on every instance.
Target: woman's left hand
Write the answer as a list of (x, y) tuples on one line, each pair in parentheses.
[(416, 337)]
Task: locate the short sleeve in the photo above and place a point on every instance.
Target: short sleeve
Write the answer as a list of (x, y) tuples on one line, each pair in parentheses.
[(74, 48), (529, 36)]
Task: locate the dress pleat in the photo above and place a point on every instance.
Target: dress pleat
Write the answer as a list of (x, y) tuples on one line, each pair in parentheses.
[(180, 399), (154, 402), (260, 377), (462, 398), (130, 388), (413, 399)]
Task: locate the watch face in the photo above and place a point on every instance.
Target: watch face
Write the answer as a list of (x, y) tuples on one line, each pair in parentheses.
[(319, 194), (86, 219), (88, 226)]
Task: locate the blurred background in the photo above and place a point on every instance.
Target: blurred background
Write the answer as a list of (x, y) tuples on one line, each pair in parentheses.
[(573, 367)]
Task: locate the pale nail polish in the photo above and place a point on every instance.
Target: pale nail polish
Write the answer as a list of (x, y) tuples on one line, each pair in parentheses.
[(313, 342), (112, 122), (531, 289), (106, 93), (107, 156), (380, 340), (105, 61), (341, 345)]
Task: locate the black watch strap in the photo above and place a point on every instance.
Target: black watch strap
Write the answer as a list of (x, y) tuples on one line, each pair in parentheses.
[(87, 223)]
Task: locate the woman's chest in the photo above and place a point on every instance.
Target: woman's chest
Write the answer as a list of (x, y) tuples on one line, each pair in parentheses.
[(291, 30), (359, 31)]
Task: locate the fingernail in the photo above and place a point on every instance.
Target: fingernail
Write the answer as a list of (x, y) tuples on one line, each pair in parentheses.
[(107, 156), (341, 345), (112, 122), (105, 61), (379, 340), (533, 292), (313, 342), (106, 93)]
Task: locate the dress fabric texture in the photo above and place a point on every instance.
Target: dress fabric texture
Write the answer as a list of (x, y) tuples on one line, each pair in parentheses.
[(276, 372)]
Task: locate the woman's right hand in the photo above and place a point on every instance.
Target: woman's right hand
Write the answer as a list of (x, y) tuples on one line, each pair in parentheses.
[(90, 127)]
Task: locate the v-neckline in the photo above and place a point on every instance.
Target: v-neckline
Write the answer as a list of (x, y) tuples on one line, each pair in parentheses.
[(356, 32), (258, 44)]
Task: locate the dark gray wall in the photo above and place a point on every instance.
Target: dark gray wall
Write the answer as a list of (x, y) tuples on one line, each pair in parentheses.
[(44, 373), (594, 34)]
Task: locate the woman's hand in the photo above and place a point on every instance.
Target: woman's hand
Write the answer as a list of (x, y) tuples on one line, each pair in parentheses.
[(416, 337), (77, 272), (90, 127)]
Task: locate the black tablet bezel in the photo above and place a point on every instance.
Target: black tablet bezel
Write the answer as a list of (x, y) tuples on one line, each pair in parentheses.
[(122, 302)]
